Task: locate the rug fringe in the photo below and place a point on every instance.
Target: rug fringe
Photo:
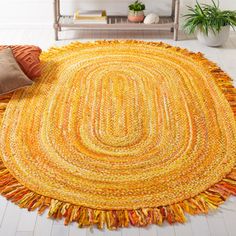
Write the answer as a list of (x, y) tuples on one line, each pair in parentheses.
[(204, 202)]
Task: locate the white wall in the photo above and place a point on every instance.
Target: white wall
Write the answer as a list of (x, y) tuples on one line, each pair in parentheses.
[(39, 13)]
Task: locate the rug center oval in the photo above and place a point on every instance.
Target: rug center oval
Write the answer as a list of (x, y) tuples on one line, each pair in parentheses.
[(119, 126)]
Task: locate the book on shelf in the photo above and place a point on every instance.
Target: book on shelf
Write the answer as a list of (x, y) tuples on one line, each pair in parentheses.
[(90, 17), (92, 13)]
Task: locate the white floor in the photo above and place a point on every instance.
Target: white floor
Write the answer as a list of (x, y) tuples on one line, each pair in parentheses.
[(19, 222)]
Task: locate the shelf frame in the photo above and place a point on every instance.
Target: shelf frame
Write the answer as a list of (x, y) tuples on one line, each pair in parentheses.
[(118, 22)]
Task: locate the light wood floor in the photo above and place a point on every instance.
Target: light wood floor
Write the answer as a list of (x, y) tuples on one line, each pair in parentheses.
[(19, 222)]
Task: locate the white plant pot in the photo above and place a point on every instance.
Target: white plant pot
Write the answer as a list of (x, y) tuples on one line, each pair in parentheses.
[(214, 39)]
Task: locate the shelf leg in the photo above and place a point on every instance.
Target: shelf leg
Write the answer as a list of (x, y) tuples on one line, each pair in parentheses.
[(173, 9), (56, 18), (176, 34), (176, 24), (58, 8), (56, 33)]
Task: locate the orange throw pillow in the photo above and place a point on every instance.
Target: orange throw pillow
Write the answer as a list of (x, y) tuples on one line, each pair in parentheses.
[(27, 57)]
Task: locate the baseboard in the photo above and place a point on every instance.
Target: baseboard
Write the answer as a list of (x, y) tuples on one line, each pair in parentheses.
[(26, 26)]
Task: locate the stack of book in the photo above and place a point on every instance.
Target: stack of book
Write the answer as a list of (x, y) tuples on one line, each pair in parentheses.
[(90, 17)]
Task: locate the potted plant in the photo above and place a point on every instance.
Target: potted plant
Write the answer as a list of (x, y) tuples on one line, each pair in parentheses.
[(210, 23), (136, 12)]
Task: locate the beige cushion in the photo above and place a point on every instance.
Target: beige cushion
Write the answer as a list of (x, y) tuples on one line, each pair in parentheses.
[(11, 75)]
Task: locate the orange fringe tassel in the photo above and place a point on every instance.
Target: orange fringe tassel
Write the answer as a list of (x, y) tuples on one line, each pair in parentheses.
[(208, 200)]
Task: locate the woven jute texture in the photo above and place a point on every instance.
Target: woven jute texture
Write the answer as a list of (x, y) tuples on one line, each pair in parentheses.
[(120, 132)]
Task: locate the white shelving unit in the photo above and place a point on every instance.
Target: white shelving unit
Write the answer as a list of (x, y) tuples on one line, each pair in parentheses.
[(118, 22)]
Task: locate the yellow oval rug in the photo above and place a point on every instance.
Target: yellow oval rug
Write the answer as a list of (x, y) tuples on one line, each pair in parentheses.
[(120, 133)]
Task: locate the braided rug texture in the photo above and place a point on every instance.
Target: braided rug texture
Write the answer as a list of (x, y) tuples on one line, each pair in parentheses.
[(120, 133)]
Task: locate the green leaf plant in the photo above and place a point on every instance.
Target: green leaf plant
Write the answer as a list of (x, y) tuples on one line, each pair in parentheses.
[(137, 6), (207, 17)]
